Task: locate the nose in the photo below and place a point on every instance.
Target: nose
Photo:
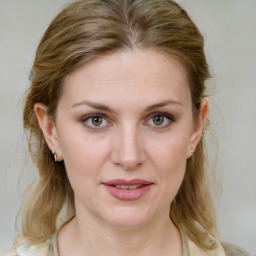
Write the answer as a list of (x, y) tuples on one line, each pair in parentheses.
[(128, 148)]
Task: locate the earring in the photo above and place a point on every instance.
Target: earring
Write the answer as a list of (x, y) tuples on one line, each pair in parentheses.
[(192, 150), (54, 155)]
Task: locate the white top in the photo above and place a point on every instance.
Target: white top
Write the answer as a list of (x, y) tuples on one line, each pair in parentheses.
[(51, 249)]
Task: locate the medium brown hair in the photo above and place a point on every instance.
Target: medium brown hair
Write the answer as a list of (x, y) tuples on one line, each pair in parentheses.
[(82, 31)]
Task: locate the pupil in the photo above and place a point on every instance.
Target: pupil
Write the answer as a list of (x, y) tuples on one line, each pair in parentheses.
[(158, 120), (97, 121)]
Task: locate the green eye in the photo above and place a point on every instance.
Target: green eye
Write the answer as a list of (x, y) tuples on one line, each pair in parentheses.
[(161, 120), (158, 120), (96, 120)]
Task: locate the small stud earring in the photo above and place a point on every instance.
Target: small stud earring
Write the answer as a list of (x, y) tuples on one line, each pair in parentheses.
[(54, 156), (192, 151)]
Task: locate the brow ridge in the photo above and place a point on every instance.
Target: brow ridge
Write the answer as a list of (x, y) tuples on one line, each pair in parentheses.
[(100, 106)]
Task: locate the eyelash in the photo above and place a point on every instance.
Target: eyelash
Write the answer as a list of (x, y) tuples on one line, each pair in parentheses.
[(167, 118), (90, 117)]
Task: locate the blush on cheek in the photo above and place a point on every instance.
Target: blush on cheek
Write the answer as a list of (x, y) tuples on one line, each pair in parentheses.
[(170, 152)]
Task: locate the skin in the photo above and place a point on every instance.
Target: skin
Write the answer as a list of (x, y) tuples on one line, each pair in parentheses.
[(134, 140)]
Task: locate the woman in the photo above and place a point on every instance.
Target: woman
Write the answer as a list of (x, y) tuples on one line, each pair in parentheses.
[(115, 115)]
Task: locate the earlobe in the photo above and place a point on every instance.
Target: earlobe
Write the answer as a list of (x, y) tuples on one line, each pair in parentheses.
[(48, 128), (199, 126)]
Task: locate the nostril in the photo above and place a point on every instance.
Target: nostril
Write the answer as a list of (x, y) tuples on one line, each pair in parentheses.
[(128, 148)]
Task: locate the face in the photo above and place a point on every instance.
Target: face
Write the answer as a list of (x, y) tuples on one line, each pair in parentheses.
[(125, 130)]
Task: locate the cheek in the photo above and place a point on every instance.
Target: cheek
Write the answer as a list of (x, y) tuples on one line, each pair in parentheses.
[(84, 158), (78, 153), (77, 146), (169, 158), (169, 162), (82, 164)]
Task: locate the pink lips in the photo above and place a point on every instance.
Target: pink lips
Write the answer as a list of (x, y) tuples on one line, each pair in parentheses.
[(127, 194)]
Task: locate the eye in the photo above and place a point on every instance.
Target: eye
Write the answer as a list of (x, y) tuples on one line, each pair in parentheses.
[(95, 121), (160, 120)]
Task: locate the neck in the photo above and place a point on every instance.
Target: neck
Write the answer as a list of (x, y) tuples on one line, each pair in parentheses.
[(89, 236)]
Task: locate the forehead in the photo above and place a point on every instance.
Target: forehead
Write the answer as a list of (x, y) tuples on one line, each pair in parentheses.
[(131, 73)]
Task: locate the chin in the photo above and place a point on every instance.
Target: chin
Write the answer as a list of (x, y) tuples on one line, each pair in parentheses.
[(124, 218)]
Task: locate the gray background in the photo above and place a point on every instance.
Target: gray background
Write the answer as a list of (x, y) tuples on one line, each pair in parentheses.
[(229, 27)]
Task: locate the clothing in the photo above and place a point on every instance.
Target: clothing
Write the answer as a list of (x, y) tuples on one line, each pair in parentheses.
[(234, 250), (189, 249)]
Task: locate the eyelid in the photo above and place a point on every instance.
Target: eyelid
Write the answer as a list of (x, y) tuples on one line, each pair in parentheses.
[(170, 118), (87, 117)]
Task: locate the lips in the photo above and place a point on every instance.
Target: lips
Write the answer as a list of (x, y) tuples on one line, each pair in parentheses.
[(127, 190)]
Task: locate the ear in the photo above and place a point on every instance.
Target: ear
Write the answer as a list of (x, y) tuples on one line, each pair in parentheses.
[(48, 128), (199, 126)]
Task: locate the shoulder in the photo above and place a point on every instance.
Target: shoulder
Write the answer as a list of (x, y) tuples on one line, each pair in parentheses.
[(222, 249), (233, 250), (48, 248), (30, 250)]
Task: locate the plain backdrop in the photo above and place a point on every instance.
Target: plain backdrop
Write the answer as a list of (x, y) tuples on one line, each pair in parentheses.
[(229, 28)]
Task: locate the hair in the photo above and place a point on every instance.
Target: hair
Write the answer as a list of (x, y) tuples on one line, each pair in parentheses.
[(87, 29)]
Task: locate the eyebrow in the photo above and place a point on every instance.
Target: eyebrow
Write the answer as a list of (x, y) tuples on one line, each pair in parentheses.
[(94, 105), (162, 104), (108, 109)]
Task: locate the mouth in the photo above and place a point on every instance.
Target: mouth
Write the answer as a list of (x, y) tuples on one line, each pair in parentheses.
[(128, 187), (128, 190)]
